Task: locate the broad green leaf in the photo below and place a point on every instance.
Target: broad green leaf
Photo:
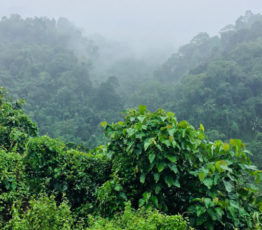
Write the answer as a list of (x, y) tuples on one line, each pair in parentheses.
[(142, 178), (170, 114), (219, 212), (229, 187), (147, 144), (130, 132), (232, 211), (226, 146), (173, 168), (208, 202), (202, 128), (171, 158), (183, 124), (166, 142), (156, 177), (208, 182), (118, 187), (147, 195), (202, 175), (155, 200), (161, 166), (169, 181), (142, 108), (219, 163), (200, 210), (141, 118), (177, 184), (163, 118), (171, 132), (141, 202), (250, 167), (123, 195), (212, 213), (151, 157)]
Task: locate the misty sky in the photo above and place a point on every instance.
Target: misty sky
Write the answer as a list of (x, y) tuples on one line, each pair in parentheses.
[(141, 23)]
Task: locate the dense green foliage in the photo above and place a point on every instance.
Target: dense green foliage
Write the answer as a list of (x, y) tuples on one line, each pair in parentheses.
[(13, 184), (52, 168), (153, 167), (15, 126), (47, 62), (216, 81), (169, 165), (49, 186), (142, 219), (42, 214), (212, 80)]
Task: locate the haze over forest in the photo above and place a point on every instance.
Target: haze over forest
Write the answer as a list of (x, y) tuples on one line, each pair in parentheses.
[(127, 114), (143, 25)]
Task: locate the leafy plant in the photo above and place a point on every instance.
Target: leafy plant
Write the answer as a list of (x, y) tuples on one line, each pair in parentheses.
[(15, 126), (142, 219), (160, 162), (42, 214), (13, 184), (53, 169)]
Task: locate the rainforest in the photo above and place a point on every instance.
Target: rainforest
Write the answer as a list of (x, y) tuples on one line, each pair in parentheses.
[(91, 140)]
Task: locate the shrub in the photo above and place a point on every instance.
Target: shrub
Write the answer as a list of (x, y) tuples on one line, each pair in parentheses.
[(142, 219), (42, 214), (52, 168), (15, 126), (160, 162), (13, 186)]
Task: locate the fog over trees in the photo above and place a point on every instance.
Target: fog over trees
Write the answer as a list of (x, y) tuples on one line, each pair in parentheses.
[(130, 115)]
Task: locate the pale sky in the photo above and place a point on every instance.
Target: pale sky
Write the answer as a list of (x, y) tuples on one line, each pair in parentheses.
[(141, 23)]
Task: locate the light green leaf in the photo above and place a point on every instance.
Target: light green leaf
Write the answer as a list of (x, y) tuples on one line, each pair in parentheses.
[(142, 108), (141, 118), (171, 158), (208, 202), (177, 184), (147, 144), (166, 142), (226, 146), (173, 168), (229, 187), (142, 178), (151, 157), (141, 202), (147, 195), (171, 132), (208, 182), (200, 210), (202, 176), (156, 177), (161, 166), (118, 187), (202, 128)]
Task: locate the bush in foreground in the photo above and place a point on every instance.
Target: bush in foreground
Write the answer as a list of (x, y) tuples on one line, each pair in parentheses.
[(142, 219), (162, 163)]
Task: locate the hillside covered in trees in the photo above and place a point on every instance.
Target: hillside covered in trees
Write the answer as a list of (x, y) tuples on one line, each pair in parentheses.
[(216, 81), (146, 170)]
